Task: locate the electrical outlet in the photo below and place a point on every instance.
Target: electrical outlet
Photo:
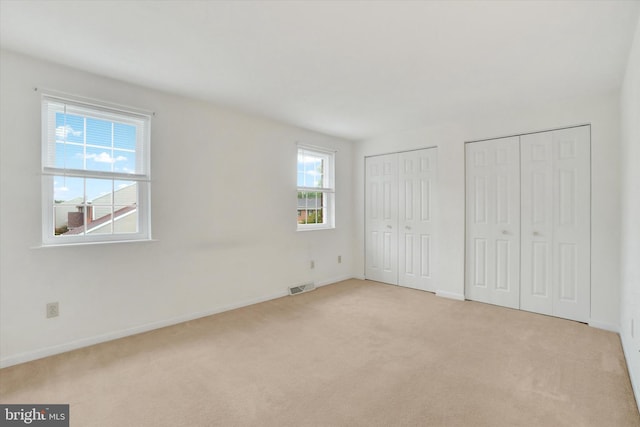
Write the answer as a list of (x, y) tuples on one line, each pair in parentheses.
[(52, 310), (313, 264), (339, 259)]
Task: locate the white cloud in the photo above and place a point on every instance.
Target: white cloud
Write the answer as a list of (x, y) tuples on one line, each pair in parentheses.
[(105, 158), (64, 131)]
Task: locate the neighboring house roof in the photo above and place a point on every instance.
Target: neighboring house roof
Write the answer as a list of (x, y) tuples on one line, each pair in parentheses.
[(75, 201), (310, 203), (101, 221), (127, 195), (101, 208)]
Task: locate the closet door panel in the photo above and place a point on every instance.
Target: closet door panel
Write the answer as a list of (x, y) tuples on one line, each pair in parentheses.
[(572, 220), (556, 223), (493, 222), (417, 174), (479, 274), (381, 218), (537, 222)]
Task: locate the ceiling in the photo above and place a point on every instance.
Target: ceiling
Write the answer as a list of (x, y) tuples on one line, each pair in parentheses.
[(354, 69)]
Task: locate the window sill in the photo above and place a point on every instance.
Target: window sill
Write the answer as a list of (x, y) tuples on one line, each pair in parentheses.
[(62, 245), (316, 228)]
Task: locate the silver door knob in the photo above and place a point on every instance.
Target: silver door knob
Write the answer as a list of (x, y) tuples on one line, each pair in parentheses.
[(535, 233), (388, 226), (407, 227), (505, 232)]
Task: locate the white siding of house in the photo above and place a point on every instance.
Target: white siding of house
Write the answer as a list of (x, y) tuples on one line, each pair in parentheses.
[(122, 197), (125, 196)]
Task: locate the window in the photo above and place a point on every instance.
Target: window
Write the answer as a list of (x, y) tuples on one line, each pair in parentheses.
[(315, 188), (95, 164)]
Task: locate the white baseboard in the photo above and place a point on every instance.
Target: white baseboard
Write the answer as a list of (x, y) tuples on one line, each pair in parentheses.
[(450, 295), (631, 355), (604, 325), (85, 342), (334, 280)]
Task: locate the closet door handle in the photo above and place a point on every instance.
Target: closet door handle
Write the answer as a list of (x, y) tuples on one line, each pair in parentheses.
[(407, 227), (388, 226), (505, 232), (535, 233)]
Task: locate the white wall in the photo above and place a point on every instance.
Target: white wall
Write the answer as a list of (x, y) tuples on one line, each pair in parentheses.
[(223, 213), (630, 292), (602, 112)]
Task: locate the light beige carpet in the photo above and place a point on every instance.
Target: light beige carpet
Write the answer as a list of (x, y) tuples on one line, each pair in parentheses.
[(351, 354)]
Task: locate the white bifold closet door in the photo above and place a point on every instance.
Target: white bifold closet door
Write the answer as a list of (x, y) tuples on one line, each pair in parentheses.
[(416, 226), (493, 222), (399, 216), (528, 241), (556, 222), (381, 218)]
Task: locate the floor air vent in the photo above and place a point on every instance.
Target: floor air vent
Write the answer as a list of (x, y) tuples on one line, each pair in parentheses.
[(298, 289)]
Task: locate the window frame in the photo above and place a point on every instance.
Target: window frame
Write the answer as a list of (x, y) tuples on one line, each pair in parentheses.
[(327, 190), (50, 105)]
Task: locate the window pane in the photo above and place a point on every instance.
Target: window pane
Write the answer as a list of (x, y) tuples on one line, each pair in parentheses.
[(124, 161), (313, 216), (69, 156), (99, 191), (310, 207), (66, 218), (125, 219), (124, 136), (94, 144), (319, 173), (68, 190), (126, 193), (99, 132), (126, 207), (101, 226), (99, 159), (68, 211), (111, 206), (69, 128), (310, 171)]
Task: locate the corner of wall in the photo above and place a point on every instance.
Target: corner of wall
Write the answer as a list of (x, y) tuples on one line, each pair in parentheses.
[(630, 211)]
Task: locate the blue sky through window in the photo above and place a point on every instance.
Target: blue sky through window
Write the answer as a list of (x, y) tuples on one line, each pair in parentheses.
[(87, 143), (310, 171)]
